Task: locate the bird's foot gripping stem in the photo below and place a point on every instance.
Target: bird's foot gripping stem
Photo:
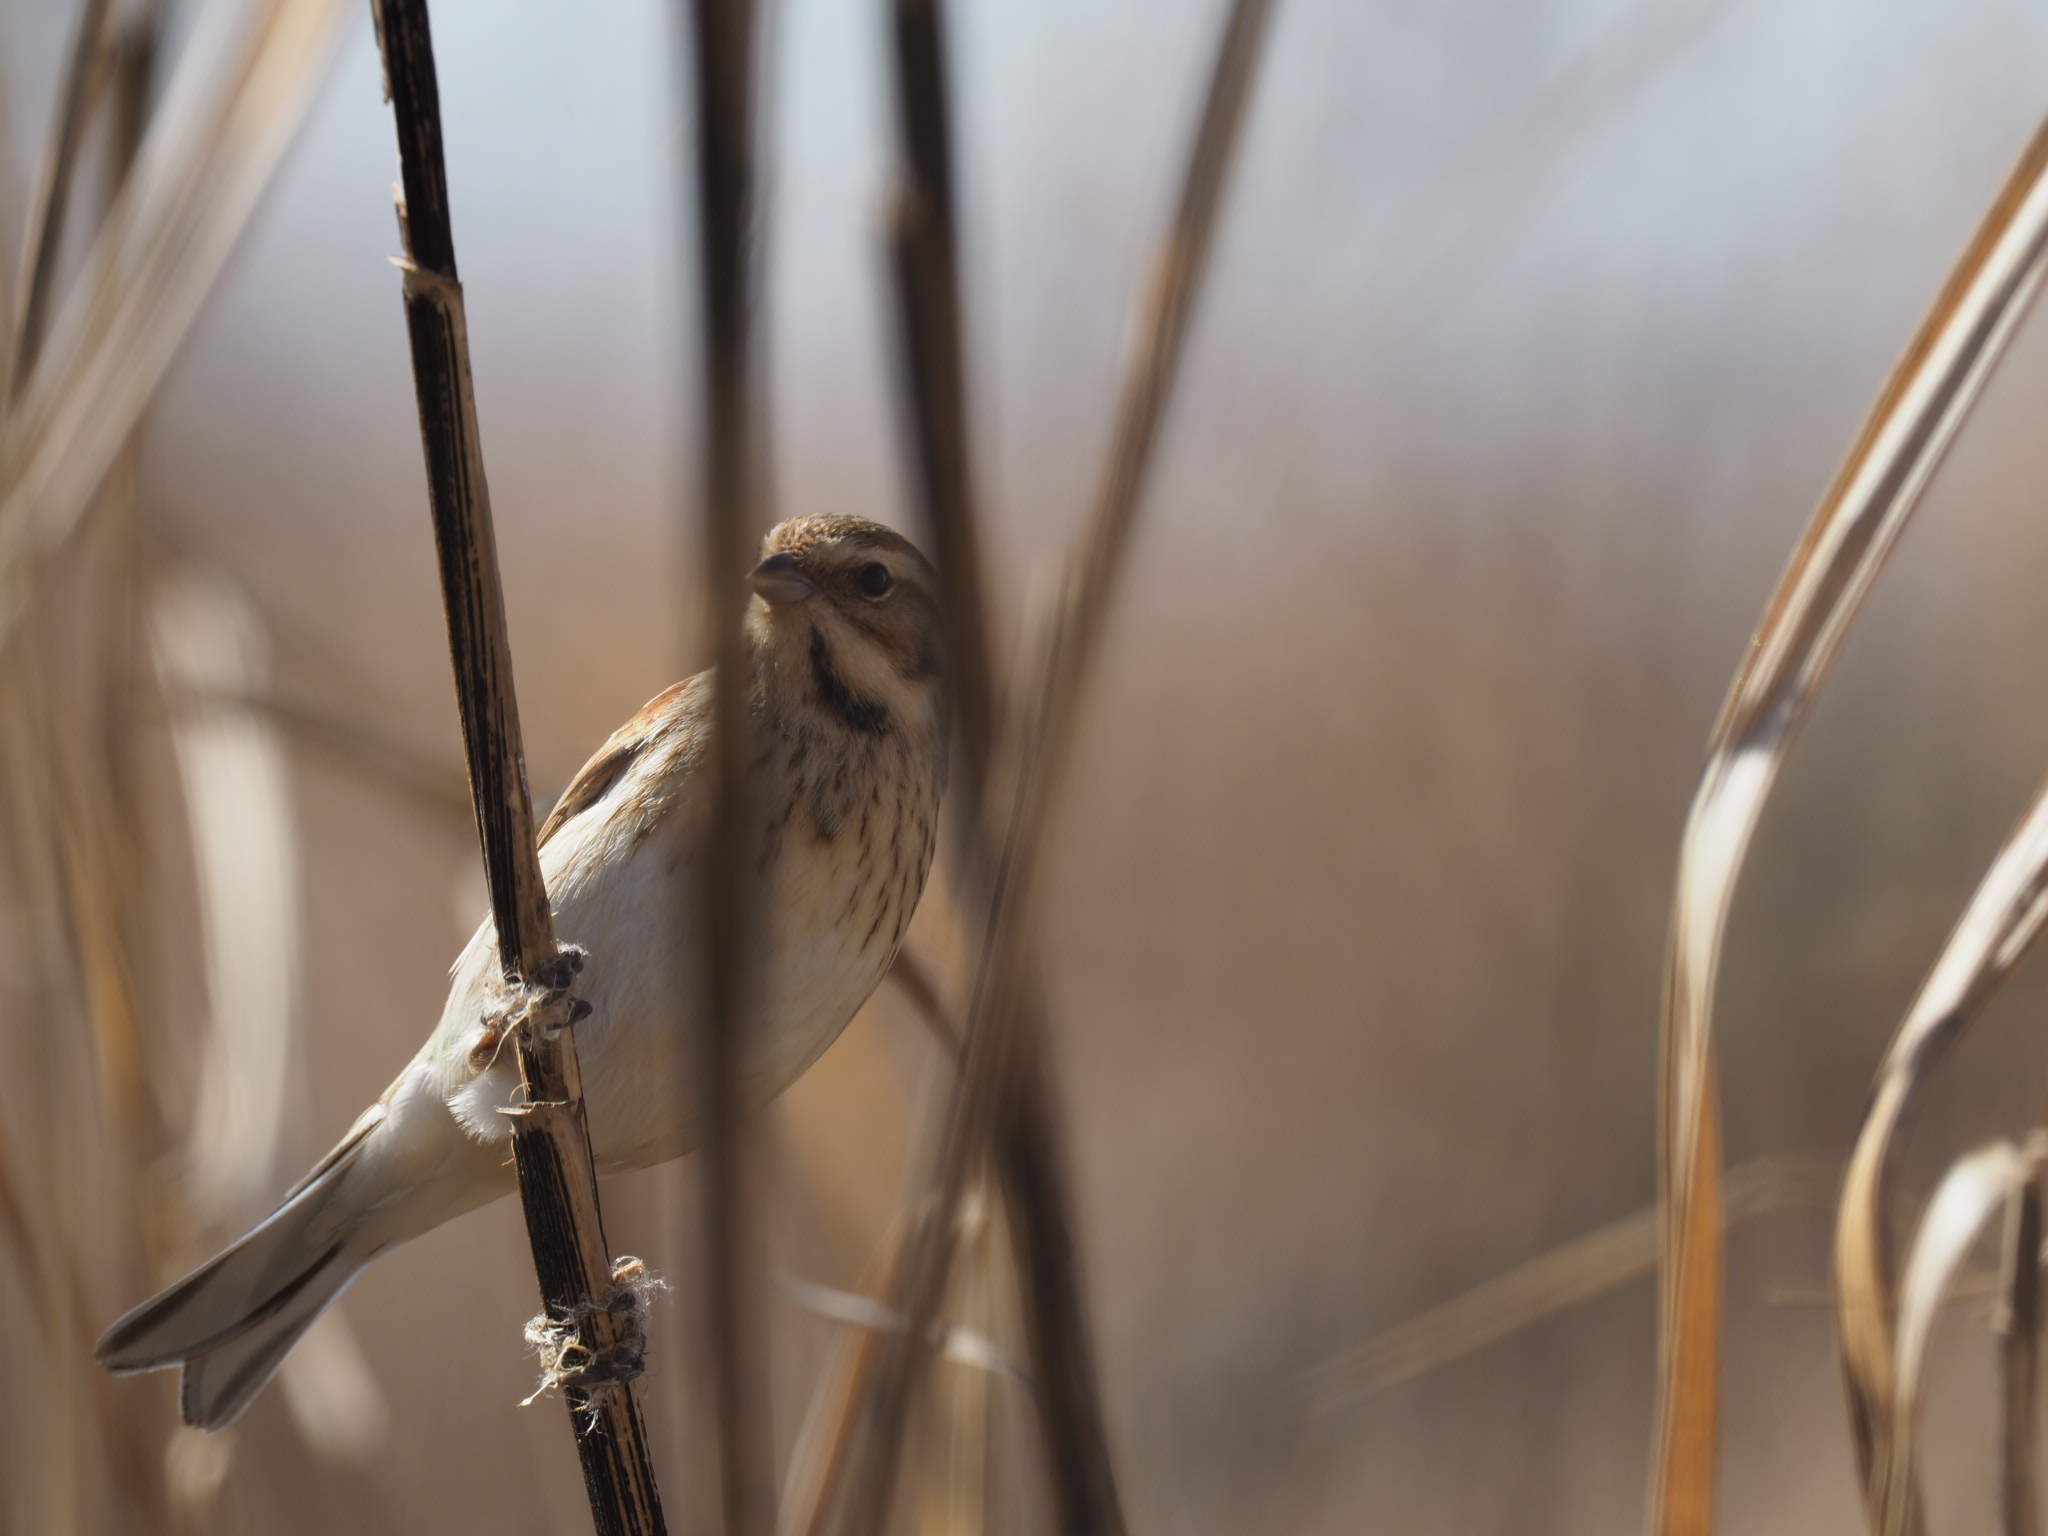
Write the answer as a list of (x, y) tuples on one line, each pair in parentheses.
[(598, 1343), (545, 1004)]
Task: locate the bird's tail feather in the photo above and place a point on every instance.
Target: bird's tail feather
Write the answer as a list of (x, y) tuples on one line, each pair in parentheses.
[(231, 1322), (215, 1387)]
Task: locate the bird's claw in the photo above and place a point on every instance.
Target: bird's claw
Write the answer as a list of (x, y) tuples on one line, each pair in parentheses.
[(559, 973), (541, 1003)]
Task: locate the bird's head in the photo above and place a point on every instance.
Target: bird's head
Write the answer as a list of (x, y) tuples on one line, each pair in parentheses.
[(846, 617)]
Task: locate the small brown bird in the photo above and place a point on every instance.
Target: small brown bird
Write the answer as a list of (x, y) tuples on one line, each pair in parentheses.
[(848, 699)]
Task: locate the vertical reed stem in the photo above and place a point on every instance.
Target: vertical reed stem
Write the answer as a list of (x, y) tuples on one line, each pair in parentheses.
[(730, 894), (52, 204), (550, 1138), (925, 246), (1046, 714), (2019, 1327)]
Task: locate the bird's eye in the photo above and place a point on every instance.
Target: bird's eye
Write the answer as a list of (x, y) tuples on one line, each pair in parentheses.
[(873, 580)]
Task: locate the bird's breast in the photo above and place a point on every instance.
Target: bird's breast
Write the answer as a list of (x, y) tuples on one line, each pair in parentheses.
[(835, 911)]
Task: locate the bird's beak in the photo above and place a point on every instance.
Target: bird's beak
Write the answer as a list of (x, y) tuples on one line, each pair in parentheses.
[(779, 581)]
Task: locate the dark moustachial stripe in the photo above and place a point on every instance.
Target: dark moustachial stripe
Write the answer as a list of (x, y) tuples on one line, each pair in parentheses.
[(864, 715)]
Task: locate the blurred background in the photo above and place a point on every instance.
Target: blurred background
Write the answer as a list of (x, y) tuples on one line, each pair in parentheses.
[(1534, 331)]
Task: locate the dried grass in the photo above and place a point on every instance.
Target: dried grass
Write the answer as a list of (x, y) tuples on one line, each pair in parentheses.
[(81, 374), (1574, 1272), (208, 152), (1047, 700), (1997, 929), (92, 1112), (1977, 1187), (1837, 561)]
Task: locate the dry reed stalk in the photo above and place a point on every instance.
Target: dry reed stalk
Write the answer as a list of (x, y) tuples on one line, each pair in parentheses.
[(1032, 1178), (925, 250), (956, 1489), (925, 262), (95, 1120), (208, 152), (1838, 558), (860, 1502), (911, 973), (1573, 1272), (92, 821), (75, 669), (2001, 923), (1042, 1245), (818, 1458), (50, 1044), (1040, 744), (730, 892), (550, 1137), (1994, 1178), (978, 1287), (50, 203), (2019, 1329)]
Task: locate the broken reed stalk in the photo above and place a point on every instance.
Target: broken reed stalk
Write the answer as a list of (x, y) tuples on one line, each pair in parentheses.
[(2019, 1328), (729, 894), (550, 1139), (1045, 713), (52, 200), (1839, 556), (924, 241)]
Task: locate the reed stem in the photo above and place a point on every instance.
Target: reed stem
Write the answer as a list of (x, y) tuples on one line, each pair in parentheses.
[(550, 1138)]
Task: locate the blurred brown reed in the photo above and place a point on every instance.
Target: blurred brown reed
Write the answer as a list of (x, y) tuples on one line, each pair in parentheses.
[(924, 247), (1040, 739), (69, 675), (729, 893), (209, 149), (1838, 558), (51, 201), (2019, 1329)]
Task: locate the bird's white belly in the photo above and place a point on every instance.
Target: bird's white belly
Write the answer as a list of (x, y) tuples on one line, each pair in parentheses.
[(636, 1048)]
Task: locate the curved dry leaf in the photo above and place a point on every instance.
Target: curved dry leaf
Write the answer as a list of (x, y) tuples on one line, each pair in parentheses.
[(2003, 919), (1974, 1189), (1845, 545)]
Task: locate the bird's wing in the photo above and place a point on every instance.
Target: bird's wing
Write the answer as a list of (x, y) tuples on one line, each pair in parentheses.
[(596, 777)]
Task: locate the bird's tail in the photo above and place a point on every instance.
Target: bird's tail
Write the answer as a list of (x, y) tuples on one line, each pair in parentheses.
[(231, 1322)]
